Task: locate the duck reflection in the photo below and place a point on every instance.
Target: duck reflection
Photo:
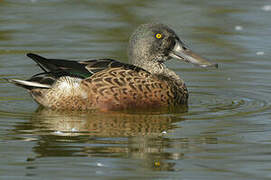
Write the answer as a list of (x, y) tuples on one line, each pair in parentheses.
[(110, 135), (123, 124)]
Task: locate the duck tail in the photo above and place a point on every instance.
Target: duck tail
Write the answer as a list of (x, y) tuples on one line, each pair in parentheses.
[(28, 84)]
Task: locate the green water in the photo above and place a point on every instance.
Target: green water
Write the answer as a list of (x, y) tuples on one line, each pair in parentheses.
[(224, 135)]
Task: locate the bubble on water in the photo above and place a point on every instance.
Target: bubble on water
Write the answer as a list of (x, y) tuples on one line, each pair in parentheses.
[(238, 28), (58, 132), (73, 129), (260, 53), (266, 8), (228, 78), (100, 164), (30, 139)]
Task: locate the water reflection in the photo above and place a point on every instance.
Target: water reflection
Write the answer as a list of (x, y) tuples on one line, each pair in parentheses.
[(143, 137), (111, 124), (118, 134)]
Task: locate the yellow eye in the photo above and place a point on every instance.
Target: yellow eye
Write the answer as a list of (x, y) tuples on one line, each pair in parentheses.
[(158, 36)]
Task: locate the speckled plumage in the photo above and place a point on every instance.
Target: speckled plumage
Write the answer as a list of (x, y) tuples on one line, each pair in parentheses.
[(112, 89), (107, 84)]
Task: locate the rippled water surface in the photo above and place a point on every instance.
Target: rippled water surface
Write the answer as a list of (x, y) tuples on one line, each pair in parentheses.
[(225, 134)]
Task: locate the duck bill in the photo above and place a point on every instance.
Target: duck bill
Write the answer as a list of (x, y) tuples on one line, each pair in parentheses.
[(180, 52)]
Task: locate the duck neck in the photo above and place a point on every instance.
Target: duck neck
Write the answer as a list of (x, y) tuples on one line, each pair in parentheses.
[(160, 69), (142, 57)]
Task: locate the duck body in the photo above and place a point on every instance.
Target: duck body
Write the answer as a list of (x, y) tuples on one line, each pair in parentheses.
[(108, 84), (100, 84)]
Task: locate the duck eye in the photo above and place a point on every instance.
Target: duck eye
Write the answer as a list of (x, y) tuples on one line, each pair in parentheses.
[(158, 36)]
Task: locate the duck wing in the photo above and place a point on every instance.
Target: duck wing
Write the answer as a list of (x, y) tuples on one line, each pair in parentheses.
[(56, 68), (79, 69)]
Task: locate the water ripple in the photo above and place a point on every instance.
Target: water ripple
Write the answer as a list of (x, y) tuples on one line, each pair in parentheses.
[(228, 104)]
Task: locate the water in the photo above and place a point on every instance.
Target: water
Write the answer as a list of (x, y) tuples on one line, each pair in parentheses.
[(224, 135)]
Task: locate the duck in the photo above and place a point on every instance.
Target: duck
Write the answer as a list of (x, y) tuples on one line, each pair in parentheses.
[(108, 85)]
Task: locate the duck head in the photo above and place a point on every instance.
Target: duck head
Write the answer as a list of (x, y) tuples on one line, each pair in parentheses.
[(156, 43)]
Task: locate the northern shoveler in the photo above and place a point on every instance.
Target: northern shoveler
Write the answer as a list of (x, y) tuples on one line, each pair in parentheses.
[(107, 84)]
